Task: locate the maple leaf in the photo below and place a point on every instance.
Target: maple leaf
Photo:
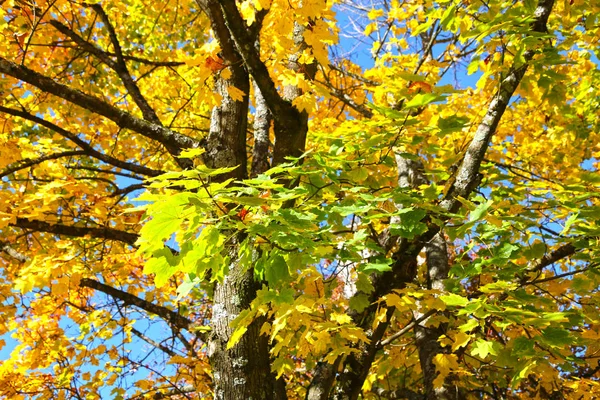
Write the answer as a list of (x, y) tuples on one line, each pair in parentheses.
[(235, 93), (286, 199), (445, 364), (214, 63)]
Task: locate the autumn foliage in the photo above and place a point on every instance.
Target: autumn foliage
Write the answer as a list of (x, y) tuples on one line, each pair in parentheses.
[(299, 199)]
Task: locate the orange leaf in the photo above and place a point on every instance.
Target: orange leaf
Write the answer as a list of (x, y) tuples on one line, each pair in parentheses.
[(214, 63), (419, 87), (242, 214)]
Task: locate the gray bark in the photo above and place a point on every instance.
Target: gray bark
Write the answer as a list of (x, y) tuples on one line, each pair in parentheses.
[(226, 142), (262, 125), (427, 337), (467, 177), (244, 371)]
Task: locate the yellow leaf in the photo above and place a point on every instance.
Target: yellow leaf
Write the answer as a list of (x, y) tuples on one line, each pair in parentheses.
[(493, 220), (235, 93), (265, 329), (444, 363), (144, 384), (262, 4), (226, 73), (341, 318), (248, 12), (380, 317), (237, 335), (374, 14), (61, 287), (306, 102), (372, 27), (460, 340), (192, 62)]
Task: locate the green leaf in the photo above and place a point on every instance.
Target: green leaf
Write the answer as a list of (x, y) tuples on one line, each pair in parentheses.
[(376, 267), (556, 317), (363, 283), (407, 76), (499, 287), (556, 337), (410, 224), (448, 16), (356, 208), (536, 250), (522, 371), (186, 287), (473, 65), (570, 221), (454, 300), (276, 270), (480, 211), (590, 177), (160, 264), (481, 348), (374, 140), (451, 124), (422, 99), (530, 5), (469, 325), (424, 26), (358, 174), (506, 250), (162, 225), (523, 347), (359, 302)]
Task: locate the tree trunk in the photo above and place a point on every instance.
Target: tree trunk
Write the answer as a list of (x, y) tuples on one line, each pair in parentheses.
[(427, 337), (244, 371)]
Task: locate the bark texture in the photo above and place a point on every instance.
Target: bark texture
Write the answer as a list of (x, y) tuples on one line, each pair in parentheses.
[(244, 371), (427, 336), (262, 125)]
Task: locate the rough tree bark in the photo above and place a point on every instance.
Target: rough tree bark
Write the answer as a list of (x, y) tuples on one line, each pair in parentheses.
[(244, 370)]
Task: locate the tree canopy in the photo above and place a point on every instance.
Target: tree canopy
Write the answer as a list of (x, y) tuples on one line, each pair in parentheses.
[(300, 199)]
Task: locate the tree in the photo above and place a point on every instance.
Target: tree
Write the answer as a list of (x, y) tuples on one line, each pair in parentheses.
[(210, 199)]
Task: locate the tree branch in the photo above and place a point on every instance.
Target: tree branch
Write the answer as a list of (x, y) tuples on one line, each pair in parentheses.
[(359, 78), (262, 124), (563, 251), (290, 125), (398, 394), (467, 175), (406, 329), (20, 257), (563, 275), (173, 142), (120, 68), (168, 315), (153, 342), (86, 147), (349, 101), (128, 189), (31, 162), (245, 45), (76, 231)]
